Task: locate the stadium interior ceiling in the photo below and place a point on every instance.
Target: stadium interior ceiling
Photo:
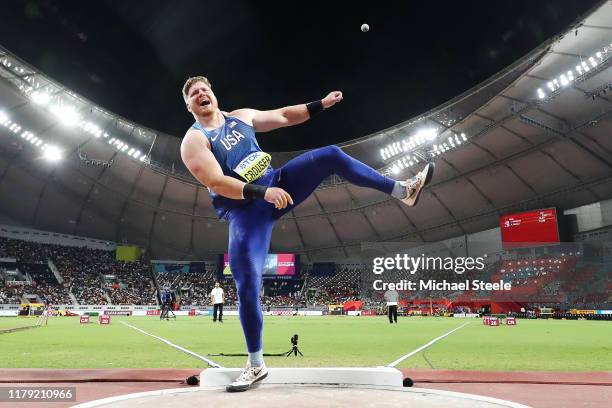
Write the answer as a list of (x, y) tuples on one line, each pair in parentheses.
[(536, 134)]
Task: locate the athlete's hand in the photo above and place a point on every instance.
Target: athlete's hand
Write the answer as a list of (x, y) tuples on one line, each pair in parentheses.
[(331, 99), (279, 197)]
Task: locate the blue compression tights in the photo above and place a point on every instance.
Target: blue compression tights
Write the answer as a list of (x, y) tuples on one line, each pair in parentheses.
[(250, 226)]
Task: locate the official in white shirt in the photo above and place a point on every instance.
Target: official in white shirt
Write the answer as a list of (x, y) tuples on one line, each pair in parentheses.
[(217, 297), (392, 297)]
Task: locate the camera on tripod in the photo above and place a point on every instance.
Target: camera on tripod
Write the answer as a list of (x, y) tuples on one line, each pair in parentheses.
[(167, 300), (294, 347)]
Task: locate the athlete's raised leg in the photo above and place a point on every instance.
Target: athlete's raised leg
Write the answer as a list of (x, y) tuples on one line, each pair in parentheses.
[(302, 174)]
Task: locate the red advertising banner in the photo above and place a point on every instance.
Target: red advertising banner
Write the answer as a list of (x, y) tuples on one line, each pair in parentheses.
[(153, 312), (368, 313), (281, 312), (104, 319), (84, 319)]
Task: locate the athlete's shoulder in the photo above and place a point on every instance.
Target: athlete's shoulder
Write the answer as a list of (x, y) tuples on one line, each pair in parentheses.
[(245, 115), (191, 133), (194, 135)]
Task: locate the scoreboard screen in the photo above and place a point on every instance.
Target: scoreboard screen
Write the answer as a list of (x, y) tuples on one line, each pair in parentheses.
[(275, 265), (531, 227)]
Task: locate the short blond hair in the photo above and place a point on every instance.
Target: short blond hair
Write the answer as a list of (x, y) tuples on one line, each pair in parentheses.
[(191, 81)]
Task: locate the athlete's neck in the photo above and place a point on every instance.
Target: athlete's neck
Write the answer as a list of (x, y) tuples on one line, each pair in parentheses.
[(213, 121)]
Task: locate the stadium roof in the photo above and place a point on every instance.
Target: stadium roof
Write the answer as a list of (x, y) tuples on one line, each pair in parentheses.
[(534, 135)]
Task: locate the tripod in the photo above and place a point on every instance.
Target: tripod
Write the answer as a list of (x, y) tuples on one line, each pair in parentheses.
[(166, 312), (295, 350)]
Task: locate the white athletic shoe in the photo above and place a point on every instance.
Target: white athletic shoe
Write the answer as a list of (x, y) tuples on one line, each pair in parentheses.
[(249, 376), (415, 185)]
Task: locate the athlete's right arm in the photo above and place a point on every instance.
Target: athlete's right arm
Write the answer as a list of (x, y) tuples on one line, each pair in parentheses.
[(196, 154)]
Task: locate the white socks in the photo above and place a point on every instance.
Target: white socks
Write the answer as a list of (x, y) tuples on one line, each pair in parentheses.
[(399, 190), (256, 358)]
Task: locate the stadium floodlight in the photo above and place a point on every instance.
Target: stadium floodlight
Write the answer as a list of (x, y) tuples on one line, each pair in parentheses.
[(143, 157), (52, 153), (124, 148), (395, 169), (38, 143), (40, 98), (92, 128), (137, 154), (428, 134), (383, 154), (66, 114), (582, 68), (419, 138), (585, 66), (3, 118), (131, 151)]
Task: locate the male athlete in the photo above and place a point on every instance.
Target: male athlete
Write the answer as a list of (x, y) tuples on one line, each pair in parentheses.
[(221, 152)]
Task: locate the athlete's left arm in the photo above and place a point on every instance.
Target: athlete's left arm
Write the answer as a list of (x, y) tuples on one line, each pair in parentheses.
[(265, 121)]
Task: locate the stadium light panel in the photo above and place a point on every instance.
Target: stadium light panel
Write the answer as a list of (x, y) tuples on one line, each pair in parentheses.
[(585, 66), (66, 114), (3, 117), (52, 153), (40, 98), (582, 68)]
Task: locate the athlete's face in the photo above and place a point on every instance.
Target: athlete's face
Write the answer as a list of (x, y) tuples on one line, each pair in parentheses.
[(201, 100)]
